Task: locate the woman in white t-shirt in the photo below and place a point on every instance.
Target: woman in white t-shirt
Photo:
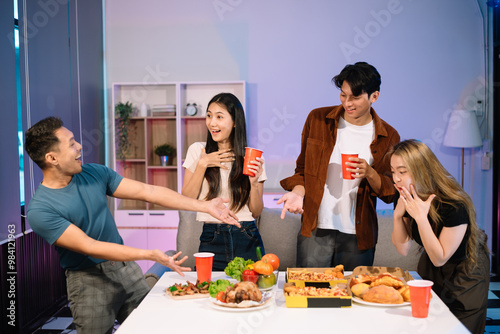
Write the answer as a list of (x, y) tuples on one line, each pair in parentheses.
[(215, 169)]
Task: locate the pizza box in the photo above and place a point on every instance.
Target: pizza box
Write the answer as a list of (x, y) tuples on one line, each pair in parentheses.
[(315, 283), (317, 301), (375, 271)]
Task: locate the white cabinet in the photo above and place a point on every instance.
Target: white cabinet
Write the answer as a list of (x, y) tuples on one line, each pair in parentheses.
[(146, 225)]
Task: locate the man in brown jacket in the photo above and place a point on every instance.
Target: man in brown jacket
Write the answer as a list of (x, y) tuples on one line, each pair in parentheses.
[(339, 219)]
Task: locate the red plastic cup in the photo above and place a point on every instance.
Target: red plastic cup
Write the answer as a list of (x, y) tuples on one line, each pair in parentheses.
[(346, 175), (420, 295), (251, 154), (204, 263)]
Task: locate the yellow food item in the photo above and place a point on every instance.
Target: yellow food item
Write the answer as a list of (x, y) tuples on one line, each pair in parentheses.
[(291, 290), (405, 292), (388, 280), (383, 294), (328, 275), (359, 289)]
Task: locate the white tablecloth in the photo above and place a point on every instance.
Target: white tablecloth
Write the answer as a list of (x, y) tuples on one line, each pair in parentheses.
[(158, 313)]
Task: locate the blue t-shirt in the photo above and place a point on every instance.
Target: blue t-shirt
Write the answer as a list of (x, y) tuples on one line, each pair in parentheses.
[(82, 202)]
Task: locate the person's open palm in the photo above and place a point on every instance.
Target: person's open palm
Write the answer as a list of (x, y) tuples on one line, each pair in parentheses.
[(218, 210), (171, 261)]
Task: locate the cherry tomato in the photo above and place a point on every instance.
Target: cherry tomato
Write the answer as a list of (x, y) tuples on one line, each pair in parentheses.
[(250, 276), (272, 259), (220, 296), (250, 272)]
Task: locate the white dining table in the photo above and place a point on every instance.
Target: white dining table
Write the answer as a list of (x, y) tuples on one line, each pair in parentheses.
[(159, 313)]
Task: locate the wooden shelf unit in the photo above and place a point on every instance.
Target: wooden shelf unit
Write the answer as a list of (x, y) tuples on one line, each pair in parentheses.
[(143, 224)]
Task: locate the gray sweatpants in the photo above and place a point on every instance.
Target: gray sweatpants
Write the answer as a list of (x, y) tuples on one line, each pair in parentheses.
[(99, 295)]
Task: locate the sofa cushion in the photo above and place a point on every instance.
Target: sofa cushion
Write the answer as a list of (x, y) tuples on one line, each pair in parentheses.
[(188, 236), (386, 254), (279, 236)]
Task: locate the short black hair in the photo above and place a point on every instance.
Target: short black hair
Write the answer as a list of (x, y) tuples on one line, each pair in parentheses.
[(361, 77), (41, 139)]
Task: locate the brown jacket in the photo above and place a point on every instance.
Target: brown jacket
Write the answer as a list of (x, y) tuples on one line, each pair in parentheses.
[(318, 139)]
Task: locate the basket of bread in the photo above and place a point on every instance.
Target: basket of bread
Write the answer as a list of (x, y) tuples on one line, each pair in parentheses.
[(380, 286)]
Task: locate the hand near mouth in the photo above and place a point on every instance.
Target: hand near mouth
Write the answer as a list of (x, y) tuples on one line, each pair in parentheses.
[(415, 206)]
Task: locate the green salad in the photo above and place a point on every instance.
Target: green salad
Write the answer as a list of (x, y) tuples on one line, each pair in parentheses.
[(219, 285), (236, 267)]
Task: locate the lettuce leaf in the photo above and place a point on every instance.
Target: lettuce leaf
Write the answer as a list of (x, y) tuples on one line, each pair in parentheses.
[(219, 285), (236, 267)]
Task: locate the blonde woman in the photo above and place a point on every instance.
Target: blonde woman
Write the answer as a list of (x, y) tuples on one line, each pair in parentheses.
[(438, 214)]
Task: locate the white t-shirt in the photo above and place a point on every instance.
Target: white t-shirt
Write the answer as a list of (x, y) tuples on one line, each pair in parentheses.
[(338, 206), (192, 157)]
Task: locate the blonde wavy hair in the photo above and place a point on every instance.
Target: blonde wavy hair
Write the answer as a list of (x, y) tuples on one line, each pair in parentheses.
[(430, 177)]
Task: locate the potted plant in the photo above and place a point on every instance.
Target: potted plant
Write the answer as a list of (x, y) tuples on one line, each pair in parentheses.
[(165, 151), (123, 112)]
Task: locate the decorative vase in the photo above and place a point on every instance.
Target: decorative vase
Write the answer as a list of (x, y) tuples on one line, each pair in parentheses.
[(144, 110), (164, 160)]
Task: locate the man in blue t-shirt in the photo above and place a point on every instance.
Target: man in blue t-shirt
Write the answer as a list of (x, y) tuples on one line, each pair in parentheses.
[(70, 210)]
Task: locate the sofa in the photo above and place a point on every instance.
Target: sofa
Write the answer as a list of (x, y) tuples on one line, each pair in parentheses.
[(280, 237)]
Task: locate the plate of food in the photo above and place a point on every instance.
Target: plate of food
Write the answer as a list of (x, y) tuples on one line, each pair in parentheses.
[(361, 301), (385, 290), (188, 290), (242, 296)]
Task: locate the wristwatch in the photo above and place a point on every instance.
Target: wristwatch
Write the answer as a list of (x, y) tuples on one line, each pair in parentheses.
[(191, 109)]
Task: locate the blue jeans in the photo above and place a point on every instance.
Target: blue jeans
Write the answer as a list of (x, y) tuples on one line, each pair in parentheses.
[(228, 242), (328, 248)]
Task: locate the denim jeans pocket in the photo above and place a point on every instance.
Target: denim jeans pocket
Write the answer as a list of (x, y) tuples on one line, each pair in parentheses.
[(208, 236), (250, 231)]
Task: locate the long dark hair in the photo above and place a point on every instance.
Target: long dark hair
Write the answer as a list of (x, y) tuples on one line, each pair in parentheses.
[(239, 184), (430, 177)]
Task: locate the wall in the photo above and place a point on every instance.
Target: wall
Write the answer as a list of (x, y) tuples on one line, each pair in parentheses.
[(61, 74), (430, 55)]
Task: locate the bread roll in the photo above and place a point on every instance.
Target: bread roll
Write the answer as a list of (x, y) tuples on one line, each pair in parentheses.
[(360, 289), (383, 294), (405, 292)]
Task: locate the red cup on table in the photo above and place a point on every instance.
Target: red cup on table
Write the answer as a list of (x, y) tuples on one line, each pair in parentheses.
[(251, 154), (204, 262), (420, 295), (347, 175)]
